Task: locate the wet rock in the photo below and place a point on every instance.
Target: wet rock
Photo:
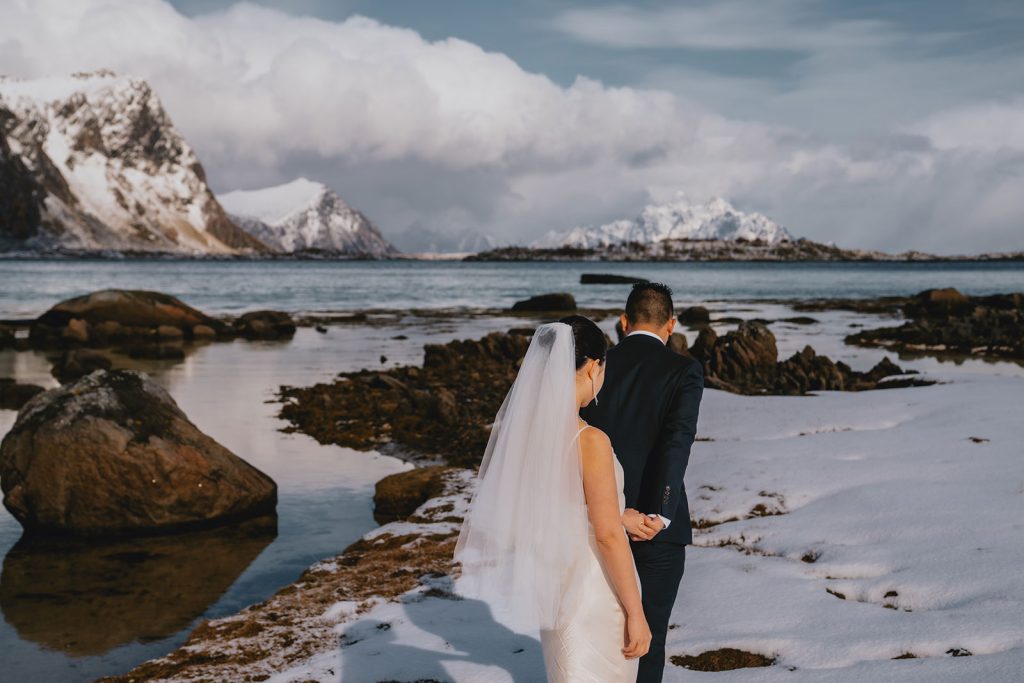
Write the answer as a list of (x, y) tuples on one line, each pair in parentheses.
[(607, 279), (944, 322), (155, 351), (694, 315), (111, 314), (7, 337), (677, 342), (139, 465), (169, 332), (397, 496), (746, 361), (557, 302), (14, 395), (203, 332), (76, 363), (265, 325)]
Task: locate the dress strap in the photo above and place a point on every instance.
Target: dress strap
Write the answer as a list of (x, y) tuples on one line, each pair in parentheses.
[(580, 432)]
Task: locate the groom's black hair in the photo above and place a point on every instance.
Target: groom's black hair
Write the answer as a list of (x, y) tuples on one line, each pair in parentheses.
[(650, 303), (588, 339)]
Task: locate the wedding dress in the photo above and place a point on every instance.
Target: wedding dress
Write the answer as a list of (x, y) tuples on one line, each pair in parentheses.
[(526, 546), (587, 645)]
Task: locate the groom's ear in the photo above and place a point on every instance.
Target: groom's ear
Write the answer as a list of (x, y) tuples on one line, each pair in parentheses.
[(624, 321), (671, 326)]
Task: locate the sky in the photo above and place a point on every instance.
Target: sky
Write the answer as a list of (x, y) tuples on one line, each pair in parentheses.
[(884, 125)]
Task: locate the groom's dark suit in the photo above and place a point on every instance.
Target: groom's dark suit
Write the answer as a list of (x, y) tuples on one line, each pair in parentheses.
[(648, 407)]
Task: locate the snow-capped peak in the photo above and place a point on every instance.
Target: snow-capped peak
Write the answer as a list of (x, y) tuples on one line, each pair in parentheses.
[(305, 215), (274, 204), (678, 219)]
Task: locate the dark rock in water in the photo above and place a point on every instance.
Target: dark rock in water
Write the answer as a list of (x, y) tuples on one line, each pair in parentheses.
[(746, 361), (946, 322), (112, 314), (695, 315), (155, 351), (547, 302), (606, 279), (443, 409), (60, 593), (7, 337), (76, 363), (801, 320), (397, 496), (265, 325), (13, 395), (139, 465)]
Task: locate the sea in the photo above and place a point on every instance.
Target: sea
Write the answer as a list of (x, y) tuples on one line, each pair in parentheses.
[(75, 612)]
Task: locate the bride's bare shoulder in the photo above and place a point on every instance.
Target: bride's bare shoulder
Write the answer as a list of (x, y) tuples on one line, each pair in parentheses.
[(593, 440)]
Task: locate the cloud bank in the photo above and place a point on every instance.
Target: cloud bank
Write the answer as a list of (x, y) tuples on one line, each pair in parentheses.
[(446, 136)]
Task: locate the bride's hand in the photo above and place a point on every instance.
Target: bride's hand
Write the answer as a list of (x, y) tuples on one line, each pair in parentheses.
[(638, 636)]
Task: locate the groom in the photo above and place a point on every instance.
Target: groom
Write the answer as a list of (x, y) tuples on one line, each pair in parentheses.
[(648, 408)]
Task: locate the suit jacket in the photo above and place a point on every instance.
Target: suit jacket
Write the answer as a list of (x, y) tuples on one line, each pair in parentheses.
[(648, 407)]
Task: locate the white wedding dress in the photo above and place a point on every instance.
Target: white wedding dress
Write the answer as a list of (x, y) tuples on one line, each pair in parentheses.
[(586, 647)]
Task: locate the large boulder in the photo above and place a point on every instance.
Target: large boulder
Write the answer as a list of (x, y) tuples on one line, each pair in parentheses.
[(557, 302), (112, 454), (113, 314), (397, 496)]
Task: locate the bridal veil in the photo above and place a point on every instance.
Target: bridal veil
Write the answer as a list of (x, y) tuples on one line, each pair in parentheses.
[(527, 524)]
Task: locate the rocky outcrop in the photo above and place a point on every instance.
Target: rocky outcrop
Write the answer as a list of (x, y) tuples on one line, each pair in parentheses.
[(397, 496), (115, 315), (14, 395), (112, 454), (947, 322), (557, 302), (443, 409), (745, 361), (76, 363), (265, 325)]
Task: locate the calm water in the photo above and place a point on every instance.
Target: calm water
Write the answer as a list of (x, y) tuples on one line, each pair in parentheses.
[(27, 288), (75, 613)]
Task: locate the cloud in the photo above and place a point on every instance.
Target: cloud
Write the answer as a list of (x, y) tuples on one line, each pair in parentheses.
[(448, 136)]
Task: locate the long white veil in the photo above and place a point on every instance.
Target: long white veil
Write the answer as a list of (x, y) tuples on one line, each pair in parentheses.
[(527, 524)]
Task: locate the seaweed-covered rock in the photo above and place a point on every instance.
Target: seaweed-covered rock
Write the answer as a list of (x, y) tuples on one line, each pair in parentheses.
[(397, 496), (557, 302), (112, 454), (265, 325)]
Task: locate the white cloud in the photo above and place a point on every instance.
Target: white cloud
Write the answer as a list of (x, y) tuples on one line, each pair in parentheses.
[(430, 133)]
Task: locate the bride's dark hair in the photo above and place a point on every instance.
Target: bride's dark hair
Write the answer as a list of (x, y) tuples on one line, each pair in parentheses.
[(589, 340)]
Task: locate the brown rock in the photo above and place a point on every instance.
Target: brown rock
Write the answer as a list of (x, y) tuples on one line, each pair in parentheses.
[(169, 332), (139, 466), (7, 337), (695, 315), (203, 332), (265, 325), (77, 331), (557, 302), (677, 342), (108, 330), (397, 496)]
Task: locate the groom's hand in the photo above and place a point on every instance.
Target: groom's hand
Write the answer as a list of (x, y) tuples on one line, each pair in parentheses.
[(639, 526)]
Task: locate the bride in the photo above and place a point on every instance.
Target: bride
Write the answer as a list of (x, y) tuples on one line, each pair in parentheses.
[(543, 541)]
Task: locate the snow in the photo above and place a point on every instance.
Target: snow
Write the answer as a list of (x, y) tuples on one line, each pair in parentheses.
[(302, 215), (678, 219), (918, 526), (274, 204)]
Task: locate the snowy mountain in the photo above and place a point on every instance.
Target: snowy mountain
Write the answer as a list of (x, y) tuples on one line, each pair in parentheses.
[(425, 240), (304, 215), (100, 166), (676, 220)]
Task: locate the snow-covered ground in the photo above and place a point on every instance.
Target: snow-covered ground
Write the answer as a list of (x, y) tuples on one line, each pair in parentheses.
[(910, 502)]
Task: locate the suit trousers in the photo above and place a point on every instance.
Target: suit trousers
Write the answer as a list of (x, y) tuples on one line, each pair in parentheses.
[(660, 566)]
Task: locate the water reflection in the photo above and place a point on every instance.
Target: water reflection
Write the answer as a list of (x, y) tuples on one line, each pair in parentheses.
[(87, 597)]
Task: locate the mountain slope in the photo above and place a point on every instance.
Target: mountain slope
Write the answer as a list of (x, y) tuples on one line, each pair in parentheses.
[(304, 215), (675, 220), (111, 171)]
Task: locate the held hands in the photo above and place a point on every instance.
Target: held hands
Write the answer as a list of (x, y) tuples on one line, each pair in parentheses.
[(637, 636), (639, 526)]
